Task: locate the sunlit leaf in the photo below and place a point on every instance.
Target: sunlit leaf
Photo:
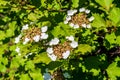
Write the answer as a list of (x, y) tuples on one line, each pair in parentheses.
[(98, 21), (114, 16), (105, 3)]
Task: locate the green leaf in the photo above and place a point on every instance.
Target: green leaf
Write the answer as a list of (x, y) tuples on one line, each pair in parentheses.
[(2, 68), (113, 69), (98, 22), (29, 65), (118, 40), (114, 16), (10, 31), (25, 77), (111, 38), (33, 16), (3, 35), (42, 57), (36, 74), (58, 31), (105, 3), (84, 48), (75, 3), (54, 64)]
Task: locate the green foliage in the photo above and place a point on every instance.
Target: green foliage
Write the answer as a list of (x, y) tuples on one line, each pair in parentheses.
[(99, 22), (93, 59), (105, 3), (113, 69), (114, 16)]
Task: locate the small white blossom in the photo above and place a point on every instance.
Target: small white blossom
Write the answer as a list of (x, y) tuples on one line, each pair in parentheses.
[(66, 54), (71, 24), (74, 11), (28, 55), (68, 18), (66, 75), (87, 11), (44, 36), (44, 29), (81, 9), (26, 40), (49, 50), (74, 44), (52, 57), (47, 76), (65, 22), (54, 41), (70, 38), (83, 25), (88, 26), (76, 26), (17, 50), (71, 12), (17, 39), (36, 38), (91, 18), (25, 27)]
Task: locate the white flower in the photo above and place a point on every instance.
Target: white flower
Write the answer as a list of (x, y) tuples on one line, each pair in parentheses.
[(54, 41), (28, 55), (87, 11), (71, 24), (49, 50), (52, 57), (81, 9), (17, 50), (26, 40), (66, 54), (83, 25), (25, 27), (44, 36), (71, 12), (17, 39), (66, 75), (65, 22), (76, 26), (47, 76), (74, 44), (68, 18), (74, 11), (91, 18), (70, 38), (36, 38), (88, 26), (44, 29)]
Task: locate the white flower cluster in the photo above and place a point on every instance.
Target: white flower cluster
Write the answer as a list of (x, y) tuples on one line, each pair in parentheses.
[(55, 41), (36, 38), (70, 14)]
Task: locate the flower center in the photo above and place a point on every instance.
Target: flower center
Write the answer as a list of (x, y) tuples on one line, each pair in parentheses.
[(30, 33), (80, 18), (61, 48)]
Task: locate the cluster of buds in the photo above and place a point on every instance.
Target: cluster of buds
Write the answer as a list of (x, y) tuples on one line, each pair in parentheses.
[(61, 50), (79, 18), (33, 34)]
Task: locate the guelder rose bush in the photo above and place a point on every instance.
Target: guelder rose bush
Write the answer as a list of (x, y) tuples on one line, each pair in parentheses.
[(59, 39)]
